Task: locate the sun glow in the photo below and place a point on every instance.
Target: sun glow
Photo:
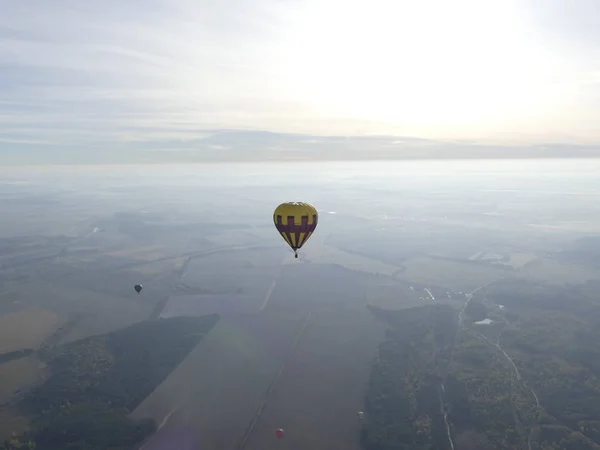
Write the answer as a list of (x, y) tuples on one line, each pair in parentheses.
[(432, 67)]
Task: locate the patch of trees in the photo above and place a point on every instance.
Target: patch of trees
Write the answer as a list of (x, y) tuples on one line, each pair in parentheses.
[(403, 401), (562, 367), (557, 350), (471, 440), (17, 443), (17, 354), (476, 311), (485, 398), (96, 382), (555, 345)]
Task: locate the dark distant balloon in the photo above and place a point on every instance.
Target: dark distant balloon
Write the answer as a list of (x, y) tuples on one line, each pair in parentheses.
[(138, 288), (279, 433)]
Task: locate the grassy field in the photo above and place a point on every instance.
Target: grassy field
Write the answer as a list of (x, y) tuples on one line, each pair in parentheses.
[(304, 287), (101, 312), (145, 253), (394, 294), (518, 260), (449, 274), (17, 374), (211, 397), (553, 272), (198, 305), (10, 422), (27, 328), (158, 268), (325, 254), (226, 272), (322, 386), (246, 237)]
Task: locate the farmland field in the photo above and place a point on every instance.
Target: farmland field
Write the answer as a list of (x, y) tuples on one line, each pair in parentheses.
[(322, 386), (98, 309), (554, 272), (11, 423), (250, 271), (18, 373), (450, 274), (395, 294), (212, 396), (26, 328), (312, 344), (324, 254)]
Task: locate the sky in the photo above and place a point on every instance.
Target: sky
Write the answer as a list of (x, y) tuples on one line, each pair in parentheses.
[(120, 74)]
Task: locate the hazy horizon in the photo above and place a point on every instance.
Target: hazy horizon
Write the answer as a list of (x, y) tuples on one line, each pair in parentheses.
[(230, 146)]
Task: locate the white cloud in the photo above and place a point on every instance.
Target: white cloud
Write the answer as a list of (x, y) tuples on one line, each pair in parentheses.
[(143, 70)]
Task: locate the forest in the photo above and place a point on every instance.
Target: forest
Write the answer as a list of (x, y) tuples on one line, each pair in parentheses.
[(17, 354), (527, 379), (93, 385), (403, 405)]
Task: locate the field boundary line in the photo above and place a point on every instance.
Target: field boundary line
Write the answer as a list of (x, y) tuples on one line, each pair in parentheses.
[(274, 382)]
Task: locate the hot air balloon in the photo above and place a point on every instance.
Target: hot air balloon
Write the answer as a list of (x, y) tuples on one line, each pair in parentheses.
[(138, 288), (279, 433), (361, 415), (296, 222)]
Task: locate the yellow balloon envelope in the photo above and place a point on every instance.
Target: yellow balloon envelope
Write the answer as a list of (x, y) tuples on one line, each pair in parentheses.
[(296, 222)]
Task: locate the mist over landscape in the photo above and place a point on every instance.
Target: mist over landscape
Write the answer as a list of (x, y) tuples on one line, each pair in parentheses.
[(484, 274), (300, 225)]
